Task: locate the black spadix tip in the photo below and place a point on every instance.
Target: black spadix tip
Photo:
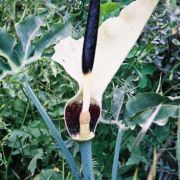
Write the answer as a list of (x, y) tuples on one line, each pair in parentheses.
[(90, 38)]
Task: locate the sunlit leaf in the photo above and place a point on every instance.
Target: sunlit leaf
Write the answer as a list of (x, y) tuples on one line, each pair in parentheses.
[(17, 53), (6, 50), (140, 108), (109, 9), (27, 30), (58, 31)]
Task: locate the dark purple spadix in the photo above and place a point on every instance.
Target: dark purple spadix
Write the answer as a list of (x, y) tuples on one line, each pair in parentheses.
[(90, 38)]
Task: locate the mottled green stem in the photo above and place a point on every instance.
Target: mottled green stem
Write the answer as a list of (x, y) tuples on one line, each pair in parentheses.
[(56, 135), (86, 160)]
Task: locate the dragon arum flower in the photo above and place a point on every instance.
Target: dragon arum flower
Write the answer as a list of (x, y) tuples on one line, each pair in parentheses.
[(116, 37)]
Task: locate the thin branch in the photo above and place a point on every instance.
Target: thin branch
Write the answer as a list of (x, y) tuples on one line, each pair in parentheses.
[(152, 172), (114, 122), (174, 98)]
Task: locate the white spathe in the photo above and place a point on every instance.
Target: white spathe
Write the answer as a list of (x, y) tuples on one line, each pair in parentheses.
[(116, 37)]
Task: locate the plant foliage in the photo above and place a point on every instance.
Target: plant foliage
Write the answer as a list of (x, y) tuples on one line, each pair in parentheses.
[(27, 151)]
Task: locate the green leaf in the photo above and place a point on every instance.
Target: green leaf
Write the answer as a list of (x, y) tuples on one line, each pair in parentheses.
[(143, 101), (18, 54), (6, 43), (109, 9), (145, 71), (140, 108), (48, 174), (164, 114), (58, 32), (19, 105), (33, 163), (135, 159), (6, 50), (11, 8), (14, 55), (17, 134), (27, 30), (4, 67)]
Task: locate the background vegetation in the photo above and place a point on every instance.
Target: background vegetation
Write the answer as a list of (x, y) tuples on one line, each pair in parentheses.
[(152, 68)]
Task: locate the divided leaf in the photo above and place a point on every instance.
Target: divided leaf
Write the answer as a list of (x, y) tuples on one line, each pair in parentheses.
[(59, 31), (135, 159), (6, 43), (140, 108), (27, 30), (6, 50), (15, 54)]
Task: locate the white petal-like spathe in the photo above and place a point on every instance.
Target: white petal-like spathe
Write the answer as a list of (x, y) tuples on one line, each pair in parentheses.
[(68, 54), (116, 37)]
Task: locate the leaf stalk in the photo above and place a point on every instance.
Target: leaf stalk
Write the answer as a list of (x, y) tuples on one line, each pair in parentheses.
[(116, 154), (54, 132)]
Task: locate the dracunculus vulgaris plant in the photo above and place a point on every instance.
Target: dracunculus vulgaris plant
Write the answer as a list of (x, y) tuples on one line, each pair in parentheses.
[(116, 37), (93, 71)]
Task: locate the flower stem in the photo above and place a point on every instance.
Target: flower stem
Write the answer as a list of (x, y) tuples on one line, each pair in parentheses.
[(116, 154), (86, 158), (178, 145), (56, 135)]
